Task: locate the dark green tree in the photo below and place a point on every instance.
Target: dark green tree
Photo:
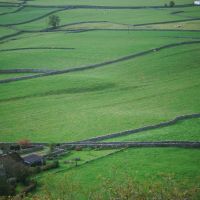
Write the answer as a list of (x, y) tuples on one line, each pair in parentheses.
[(171, 4), (54, 21), (15, 169)]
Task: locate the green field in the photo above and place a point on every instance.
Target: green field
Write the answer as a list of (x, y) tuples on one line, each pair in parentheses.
[(185, 130), (108, 2), (136, 84), (143, 165), (121, 96)]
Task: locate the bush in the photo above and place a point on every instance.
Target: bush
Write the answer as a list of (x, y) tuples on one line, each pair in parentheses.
[(78, 148), (54, 21), (49, 166), (6, 188), (15, 169), (35, 170), (24, 143), (171, 4)]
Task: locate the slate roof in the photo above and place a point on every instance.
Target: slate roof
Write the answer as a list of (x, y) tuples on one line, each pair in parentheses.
[(33, 158)]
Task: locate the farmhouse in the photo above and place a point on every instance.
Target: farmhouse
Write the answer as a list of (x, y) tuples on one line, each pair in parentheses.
[(33, 160), (197, 2)]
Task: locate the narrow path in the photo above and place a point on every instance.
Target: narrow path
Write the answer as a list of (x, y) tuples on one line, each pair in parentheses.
[(98, 65)]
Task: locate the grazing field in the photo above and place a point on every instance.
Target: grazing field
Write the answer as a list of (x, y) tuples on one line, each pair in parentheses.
[(108, 2), (121, 96), (107, 66), (185, 130), (142, 165)]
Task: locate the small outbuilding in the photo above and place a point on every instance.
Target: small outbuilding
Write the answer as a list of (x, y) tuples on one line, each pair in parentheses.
[(197, 2), (33, 160)]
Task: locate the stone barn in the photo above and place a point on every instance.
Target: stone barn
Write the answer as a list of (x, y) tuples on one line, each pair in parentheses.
[(33, 160)]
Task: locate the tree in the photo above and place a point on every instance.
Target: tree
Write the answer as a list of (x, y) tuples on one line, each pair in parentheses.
[(24, 143), (15, 169), (171, 4), (54, 21)]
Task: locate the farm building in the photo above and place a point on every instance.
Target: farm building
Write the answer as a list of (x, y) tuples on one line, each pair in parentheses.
[(33, 160), (197, 3)]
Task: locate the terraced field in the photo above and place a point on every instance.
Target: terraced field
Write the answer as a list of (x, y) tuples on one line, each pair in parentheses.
[(108, 67)]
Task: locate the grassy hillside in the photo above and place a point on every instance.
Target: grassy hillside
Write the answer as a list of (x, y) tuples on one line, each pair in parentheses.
[(122, 96), (108, 2), (147, 166), (185, 130), (137, 64)]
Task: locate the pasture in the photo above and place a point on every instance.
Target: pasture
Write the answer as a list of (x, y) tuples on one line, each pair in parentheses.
[(108, 66)]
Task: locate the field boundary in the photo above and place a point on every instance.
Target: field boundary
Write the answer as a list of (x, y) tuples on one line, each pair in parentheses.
[(92, 160), (113, 145), (98, 65), (105, 7), (145, 128), (93, 140)]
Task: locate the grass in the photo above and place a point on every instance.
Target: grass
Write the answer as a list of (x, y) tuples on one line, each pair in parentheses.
[(185, 130), (6, 31), (86, 156), (138, 92), (5, 76), (123, 96), (10, 1), (191, 25), (24, 15), (143, 165), (87, 49), (6, 9), (107, 2), (114, 16)]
